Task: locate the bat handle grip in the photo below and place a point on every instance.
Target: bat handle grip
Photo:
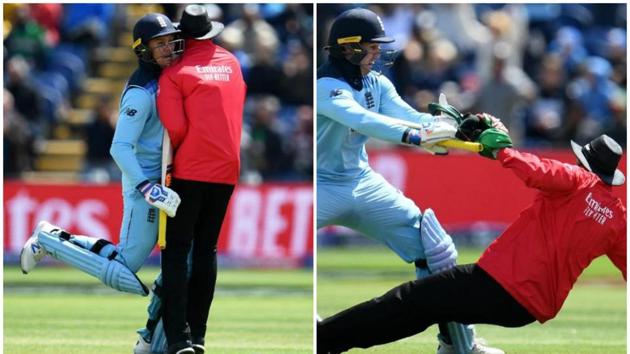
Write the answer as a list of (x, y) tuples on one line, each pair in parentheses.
[(462, 145)]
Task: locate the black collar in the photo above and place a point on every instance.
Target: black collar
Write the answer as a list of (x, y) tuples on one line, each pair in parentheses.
[(152, 69), (342, 69)]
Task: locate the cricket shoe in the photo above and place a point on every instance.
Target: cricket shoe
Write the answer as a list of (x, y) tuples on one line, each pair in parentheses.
[(184, 347), (199, 348), (198, 345), (32, 252), (142, 346), (479, 347)]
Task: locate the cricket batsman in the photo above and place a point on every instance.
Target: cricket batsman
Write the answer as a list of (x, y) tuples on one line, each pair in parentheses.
[(137, 150), (526, 274), (355, 103)]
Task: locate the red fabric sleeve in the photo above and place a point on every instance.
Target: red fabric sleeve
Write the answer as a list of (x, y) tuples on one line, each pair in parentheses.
[(170, 106), (544, 174)]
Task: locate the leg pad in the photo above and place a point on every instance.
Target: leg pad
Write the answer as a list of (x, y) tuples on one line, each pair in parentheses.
[(111, 272)]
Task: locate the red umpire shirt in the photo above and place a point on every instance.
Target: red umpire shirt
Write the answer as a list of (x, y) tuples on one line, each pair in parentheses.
[(574, 219), (201, 97)]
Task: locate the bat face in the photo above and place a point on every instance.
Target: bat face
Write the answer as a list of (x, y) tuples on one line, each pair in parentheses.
[(167, 168)]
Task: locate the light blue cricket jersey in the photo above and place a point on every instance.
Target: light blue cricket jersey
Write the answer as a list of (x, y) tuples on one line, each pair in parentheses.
[(346, 118), (137, 143)]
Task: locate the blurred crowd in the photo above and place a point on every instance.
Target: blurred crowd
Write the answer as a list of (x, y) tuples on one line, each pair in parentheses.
[(51, 50), (47, 56), (551, 72)]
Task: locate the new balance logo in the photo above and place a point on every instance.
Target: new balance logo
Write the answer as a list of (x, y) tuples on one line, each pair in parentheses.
[(35, 248)]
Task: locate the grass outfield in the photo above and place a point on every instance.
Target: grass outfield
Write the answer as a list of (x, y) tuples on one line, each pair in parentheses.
[(61, 310), (592, 321)]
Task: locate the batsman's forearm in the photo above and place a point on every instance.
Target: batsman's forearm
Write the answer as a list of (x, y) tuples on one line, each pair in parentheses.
[(348, 112), (402, 122), (124, 157)]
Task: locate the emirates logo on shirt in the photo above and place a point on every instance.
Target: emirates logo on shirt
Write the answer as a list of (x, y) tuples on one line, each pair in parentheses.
[(214, 72), (596, 211)]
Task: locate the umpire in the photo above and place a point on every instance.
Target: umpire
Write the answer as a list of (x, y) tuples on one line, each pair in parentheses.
[(200, 102), (526, 274)]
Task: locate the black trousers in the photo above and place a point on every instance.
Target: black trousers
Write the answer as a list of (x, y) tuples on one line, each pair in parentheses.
[(464, 294), (199, 219)]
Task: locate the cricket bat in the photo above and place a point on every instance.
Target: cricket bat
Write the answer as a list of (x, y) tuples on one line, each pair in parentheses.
[(450, 143), (462, 145), (167, 168)]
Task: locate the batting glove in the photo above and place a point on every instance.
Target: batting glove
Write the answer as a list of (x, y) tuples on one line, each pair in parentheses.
[(474, 124), (434, 130), (444, 109), (160, 197)]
